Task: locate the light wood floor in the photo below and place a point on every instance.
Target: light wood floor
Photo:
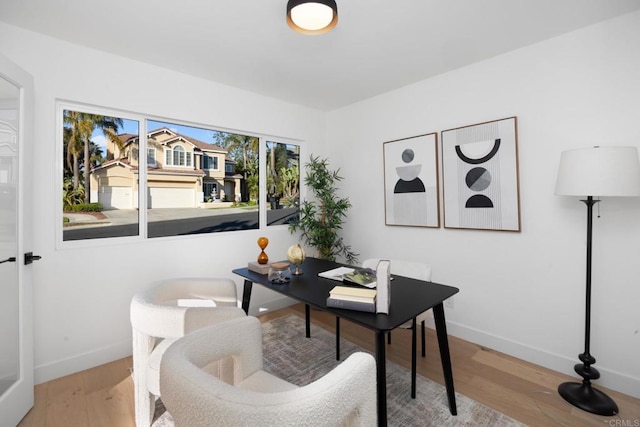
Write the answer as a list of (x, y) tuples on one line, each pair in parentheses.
[(103, 396)]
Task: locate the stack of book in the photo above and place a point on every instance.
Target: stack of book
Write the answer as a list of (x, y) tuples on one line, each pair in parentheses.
[(351, 298), (256, 267)]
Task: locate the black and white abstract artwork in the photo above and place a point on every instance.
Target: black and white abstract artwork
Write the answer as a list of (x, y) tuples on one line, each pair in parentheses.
[(411, 181), (480, 176)]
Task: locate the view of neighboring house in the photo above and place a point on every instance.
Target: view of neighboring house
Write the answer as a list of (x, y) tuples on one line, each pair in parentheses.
[(182, 172)]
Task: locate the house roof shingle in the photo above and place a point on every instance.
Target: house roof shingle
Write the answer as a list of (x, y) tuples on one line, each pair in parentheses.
[(128, 138)]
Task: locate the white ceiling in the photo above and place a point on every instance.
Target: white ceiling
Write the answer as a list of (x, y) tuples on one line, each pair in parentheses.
[(378, 45)]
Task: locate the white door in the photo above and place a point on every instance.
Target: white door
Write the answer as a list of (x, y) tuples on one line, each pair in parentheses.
[(16, 306), (116, 197)]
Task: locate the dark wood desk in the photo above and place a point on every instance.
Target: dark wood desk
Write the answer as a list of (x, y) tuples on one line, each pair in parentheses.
[(409, 298)]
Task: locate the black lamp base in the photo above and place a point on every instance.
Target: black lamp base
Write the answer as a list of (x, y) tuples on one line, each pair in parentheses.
[(587, 398)]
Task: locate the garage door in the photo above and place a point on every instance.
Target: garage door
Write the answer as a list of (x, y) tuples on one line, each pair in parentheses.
[(171, 197), (116, 197)]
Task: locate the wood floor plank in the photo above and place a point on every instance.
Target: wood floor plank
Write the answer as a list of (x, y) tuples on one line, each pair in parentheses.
[(516, 368), (66, 405), (508, 401), (107, 394)]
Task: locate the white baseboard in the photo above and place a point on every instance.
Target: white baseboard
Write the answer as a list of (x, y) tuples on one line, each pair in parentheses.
[(609, 378), (272, 305), (90, 359)]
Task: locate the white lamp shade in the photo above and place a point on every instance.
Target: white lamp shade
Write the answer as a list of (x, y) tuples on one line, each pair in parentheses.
[(599, 171)]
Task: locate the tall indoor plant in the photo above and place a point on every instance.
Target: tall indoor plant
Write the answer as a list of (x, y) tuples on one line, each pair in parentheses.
[(320, 219)]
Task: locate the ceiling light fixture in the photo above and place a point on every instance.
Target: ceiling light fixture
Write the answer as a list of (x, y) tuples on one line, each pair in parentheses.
[(312, 17)]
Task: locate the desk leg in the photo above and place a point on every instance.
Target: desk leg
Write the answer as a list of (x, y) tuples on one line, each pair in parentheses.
[(424, 345), (413, 357), (337, 338), (443, 342), (307, 320), (246, 295), (381, 378)]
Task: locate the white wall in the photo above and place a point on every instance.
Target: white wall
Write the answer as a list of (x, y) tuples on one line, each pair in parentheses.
[(82, 295), (521, 293)]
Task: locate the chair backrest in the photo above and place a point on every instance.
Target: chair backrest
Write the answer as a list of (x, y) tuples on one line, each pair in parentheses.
[(159, 311), (412, 269), (221, 291), (344, 396)]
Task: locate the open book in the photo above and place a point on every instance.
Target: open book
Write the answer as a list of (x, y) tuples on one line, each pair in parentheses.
[(336, 273), (357, 276), (363, 276)]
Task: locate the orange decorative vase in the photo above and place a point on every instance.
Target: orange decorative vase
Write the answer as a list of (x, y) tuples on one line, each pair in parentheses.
[(262, 243)]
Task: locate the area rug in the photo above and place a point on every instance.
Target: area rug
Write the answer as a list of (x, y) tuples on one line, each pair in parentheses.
[(299, 360)]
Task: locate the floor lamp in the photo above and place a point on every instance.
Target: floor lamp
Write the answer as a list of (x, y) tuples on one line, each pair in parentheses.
[(595, 171)]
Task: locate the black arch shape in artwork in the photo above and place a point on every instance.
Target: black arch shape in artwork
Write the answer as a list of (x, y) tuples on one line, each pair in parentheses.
[(479, 201), (494, 150), (413, 186)]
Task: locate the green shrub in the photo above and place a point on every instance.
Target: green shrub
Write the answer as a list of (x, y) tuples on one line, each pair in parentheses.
[(86, 207), (71, 196)]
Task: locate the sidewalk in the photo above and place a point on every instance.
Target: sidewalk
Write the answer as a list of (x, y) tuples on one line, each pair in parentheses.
[(83, 219), (130, 216)]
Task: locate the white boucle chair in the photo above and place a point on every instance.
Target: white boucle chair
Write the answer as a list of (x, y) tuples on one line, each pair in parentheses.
[(165, 312), (346, 396)]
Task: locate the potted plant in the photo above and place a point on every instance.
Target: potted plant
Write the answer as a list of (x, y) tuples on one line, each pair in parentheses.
[(320, 219)]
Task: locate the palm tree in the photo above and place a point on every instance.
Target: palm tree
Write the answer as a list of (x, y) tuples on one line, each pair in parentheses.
[(241, 146), (97, 156), (78, 130), (109, 127), (290, 178), (281, 165)]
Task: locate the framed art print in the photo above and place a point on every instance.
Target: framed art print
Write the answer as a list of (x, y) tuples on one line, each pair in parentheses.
[(411, 181), (480, 176)]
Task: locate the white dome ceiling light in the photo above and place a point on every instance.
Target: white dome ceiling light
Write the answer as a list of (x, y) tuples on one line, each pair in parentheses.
[(312, 17)]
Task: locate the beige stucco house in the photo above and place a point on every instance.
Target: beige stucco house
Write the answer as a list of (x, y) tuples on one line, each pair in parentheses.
[(182, 172)]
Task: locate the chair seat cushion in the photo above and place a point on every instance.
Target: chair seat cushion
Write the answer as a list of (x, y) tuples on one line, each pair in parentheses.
[(264, 382)]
